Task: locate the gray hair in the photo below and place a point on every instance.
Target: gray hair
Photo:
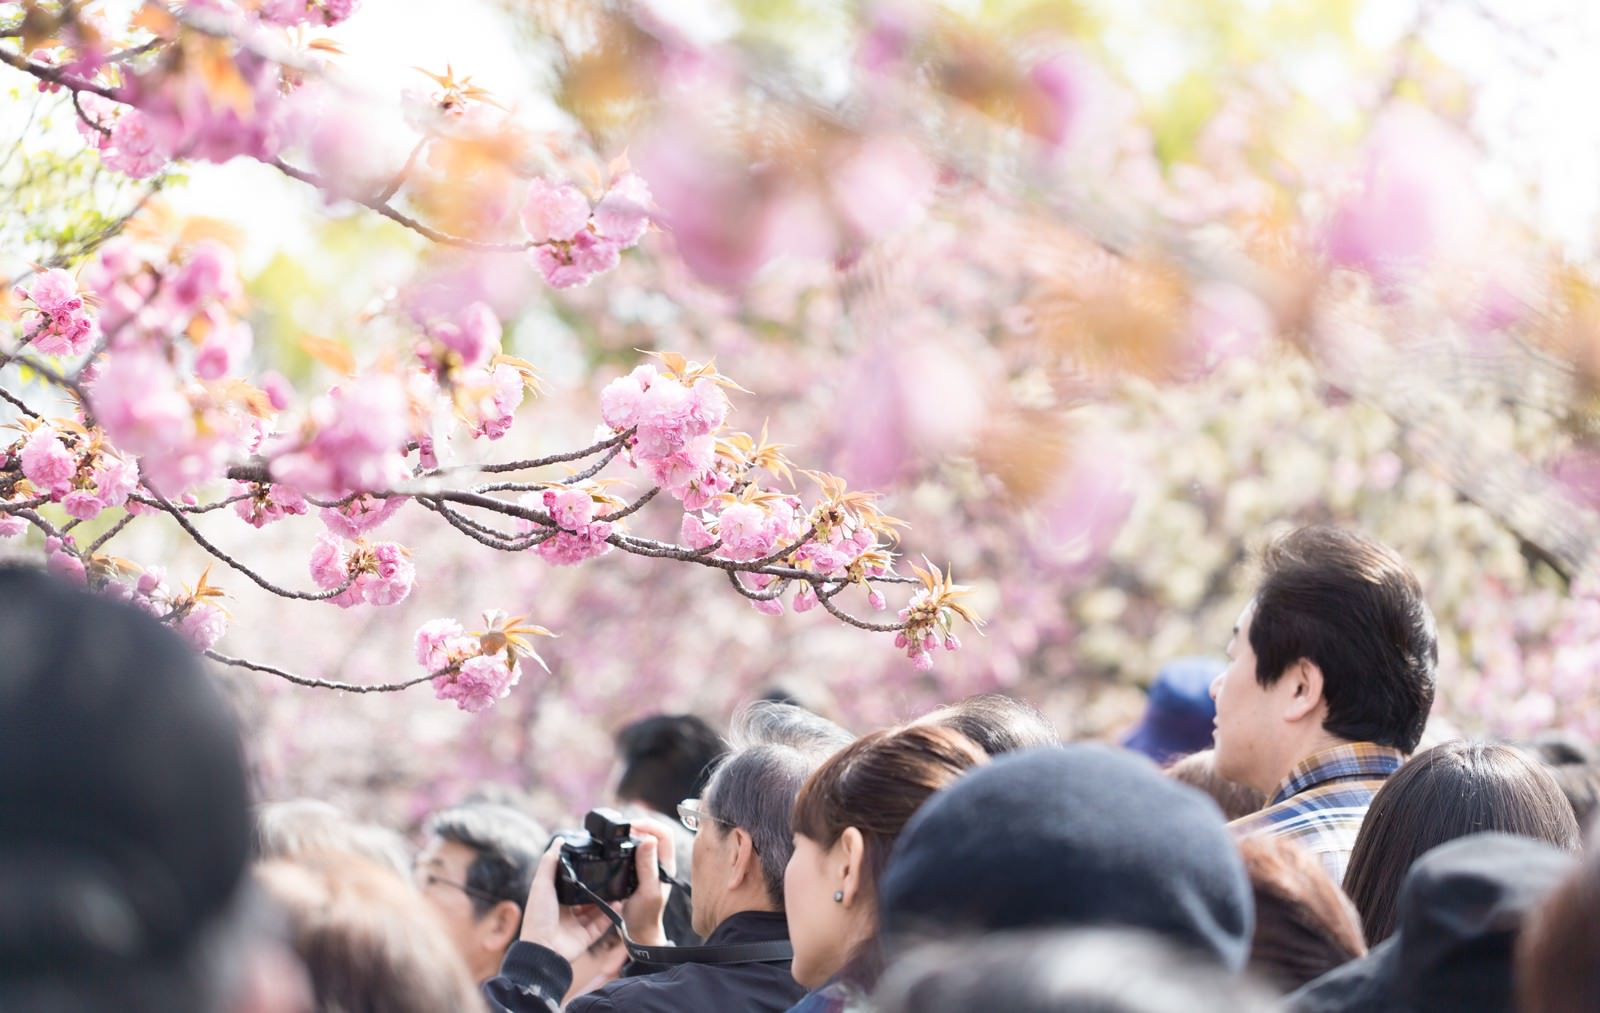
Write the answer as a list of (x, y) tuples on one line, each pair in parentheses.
[(775, 748), (295, 827)]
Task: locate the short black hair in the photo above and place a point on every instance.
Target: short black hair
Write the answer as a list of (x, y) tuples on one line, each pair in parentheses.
[(1352, 607), (666, 759), (506, 844)]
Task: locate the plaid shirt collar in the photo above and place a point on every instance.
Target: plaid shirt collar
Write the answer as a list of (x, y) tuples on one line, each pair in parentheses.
[(1352, 761)]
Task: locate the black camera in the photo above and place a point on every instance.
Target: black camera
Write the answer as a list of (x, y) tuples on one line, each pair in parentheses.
[(601, 859)]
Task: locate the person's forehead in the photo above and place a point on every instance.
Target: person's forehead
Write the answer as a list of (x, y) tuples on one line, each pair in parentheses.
[(439, 851), (1245, 615)]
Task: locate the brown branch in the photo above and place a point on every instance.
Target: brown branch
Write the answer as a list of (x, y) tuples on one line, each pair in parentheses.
[(53, 75), (400, 177), (766, 594), (110, 533), (50, 375), (395, 215), (631, 508), (260, 581), (611, 442), (77, 107), (19, 404), (347, 687), (861, 624)]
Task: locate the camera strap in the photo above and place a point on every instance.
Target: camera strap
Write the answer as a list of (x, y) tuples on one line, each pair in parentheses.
[(775, 951)]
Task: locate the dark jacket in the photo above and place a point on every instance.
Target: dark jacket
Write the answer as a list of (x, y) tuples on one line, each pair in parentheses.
[(1461, 907), (533, 979)]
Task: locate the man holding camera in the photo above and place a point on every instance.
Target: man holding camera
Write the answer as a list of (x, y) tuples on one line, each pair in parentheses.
[(742, 845)]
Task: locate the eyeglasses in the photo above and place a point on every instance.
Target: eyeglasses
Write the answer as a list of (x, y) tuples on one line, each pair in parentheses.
[(428, 879), (690, 814)]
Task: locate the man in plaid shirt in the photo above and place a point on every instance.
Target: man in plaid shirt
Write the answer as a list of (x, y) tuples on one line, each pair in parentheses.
[(1329, 683)]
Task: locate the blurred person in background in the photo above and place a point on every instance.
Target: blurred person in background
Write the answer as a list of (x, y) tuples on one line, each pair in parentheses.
[(1573, 764), (742, 845), (1327, 689), (1305, 927), (474, 871), (846, 820), (1083, 971), (1449, 791), (368, 941), (1199, 770), (293, 827), (1179, 713), (996, 722), (124, 819), (665, 759), (1558, 953), (1461, 909), (1079, 836)]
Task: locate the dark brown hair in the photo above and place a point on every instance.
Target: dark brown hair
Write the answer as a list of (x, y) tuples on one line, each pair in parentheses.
[(367, 939), (876, 784), (1558, 951), (1305, 927), (1199, 770), (1449, 791), (1352, 607)]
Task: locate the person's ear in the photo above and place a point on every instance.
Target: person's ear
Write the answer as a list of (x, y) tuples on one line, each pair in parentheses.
[(1303, 692), (500, 925), (743, 862), (850, 859)]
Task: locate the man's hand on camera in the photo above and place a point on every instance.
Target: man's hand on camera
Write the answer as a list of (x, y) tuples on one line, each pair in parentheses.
[(643, 913), (568, 930)]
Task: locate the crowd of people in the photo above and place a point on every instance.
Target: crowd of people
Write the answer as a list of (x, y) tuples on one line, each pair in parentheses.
[(1279, 833)]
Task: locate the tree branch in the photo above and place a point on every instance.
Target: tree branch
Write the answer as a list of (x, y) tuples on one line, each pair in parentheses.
[(260, 581), (18, 404), (347, 687), (390, 212), (826, 601), (53, 75)]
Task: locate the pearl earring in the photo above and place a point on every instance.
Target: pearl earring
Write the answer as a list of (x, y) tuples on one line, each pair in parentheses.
[(838, 896)]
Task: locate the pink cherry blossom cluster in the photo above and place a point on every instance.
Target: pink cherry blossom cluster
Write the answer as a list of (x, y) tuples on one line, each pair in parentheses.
[(195, 619), (465, 341), (353, 439), (74, 469), (361, 514), (576, 241), (471, 675), (378, 574), (673, 421), (323, 13), (573, 508), (181, 115), (927, 629), (184, 433), (267, 502), (62, 324)]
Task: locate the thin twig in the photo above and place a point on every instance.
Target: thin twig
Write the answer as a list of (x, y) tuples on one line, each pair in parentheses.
[(55, 76), (301, 680), (860, 624), (395, 215), (766, 594), (631, 508), (260, 581), (400, 177), (77, 106), (110, 533), (19, 404)]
